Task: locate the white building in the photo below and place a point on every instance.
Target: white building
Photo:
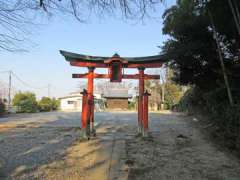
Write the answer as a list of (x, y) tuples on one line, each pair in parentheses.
[(73, 102)]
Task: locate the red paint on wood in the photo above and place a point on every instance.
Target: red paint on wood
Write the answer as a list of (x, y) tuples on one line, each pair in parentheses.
[(108, 61), (141, 91), (80, 75), (90, 77), (91, 97), (84, 110), (116, 71), (139, 118), (124, 76), (145, 65), (136, 76), (145, 111), (103, 65), (88, 64)]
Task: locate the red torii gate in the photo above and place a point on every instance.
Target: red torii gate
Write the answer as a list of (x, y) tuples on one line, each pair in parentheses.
[(115, 65)]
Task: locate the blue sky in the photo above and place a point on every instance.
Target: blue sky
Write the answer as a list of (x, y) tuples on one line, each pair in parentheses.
[(44, 65)]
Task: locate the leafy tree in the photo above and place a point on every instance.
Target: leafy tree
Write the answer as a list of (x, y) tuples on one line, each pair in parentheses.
[(154, 88), (45, 104), (25, 102), (173, 94), (192, 44), (204, 37), (55, 104), (48, 104)]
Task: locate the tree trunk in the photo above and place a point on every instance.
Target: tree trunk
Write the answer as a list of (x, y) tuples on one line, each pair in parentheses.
[(235, 15), (221, 61)]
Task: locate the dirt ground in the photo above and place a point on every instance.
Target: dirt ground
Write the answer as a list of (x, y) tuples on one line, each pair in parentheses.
[(48, 146)]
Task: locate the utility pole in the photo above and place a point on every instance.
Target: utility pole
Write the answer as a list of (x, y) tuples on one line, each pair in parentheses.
[(9, 89)]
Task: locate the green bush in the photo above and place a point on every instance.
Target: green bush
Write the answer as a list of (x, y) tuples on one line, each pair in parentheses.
[(173, 95), (131, 105), (55, 104), (47, 104), (26, 102)]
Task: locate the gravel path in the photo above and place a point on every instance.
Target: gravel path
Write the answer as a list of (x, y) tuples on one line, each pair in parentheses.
[(176, 151), (47, 146)]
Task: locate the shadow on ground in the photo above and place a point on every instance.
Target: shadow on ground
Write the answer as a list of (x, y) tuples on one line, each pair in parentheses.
[(51, 148)]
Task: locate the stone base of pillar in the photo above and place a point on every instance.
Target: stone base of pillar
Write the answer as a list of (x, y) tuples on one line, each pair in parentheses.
[(140, 128), (145, 133), (83, 134), (93, 131)]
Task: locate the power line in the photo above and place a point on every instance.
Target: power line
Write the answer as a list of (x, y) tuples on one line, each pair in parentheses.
[(27, 84), (12, 75)]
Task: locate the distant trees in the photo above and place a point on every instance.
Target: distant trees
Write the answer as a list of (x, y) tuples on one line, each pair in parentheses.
[(55, 104), (172, 94), (45, 104), (155, 89), (26, 102), (48, 104)]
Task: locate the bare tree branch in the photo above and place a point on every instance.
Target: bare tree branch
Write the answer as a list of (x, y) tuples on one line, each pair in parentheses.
[(18, 16)]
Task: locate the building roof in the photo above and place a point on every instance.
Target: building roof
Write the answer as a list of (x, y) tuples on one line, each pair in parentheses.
[(117, 96), (77, 94), (69, 56), (117, 93), (71, 96)]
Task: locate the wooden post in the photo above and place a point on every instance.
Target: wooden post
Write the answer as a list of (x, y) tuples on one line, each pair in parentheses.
[(141, 92), (84, 116), (91, 98), (139, 118), (145, 114)]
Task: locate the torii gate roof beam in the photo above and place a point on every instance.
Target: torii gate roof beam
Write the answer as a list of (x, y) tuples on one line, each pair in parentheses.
[(103, 62)]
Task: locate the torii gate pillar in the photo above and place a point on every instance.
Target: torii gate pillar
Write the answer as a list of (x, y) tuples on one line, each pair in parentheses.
[(91, 98), (140, 99), (85, 114), (145, 114), (142, 105)]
